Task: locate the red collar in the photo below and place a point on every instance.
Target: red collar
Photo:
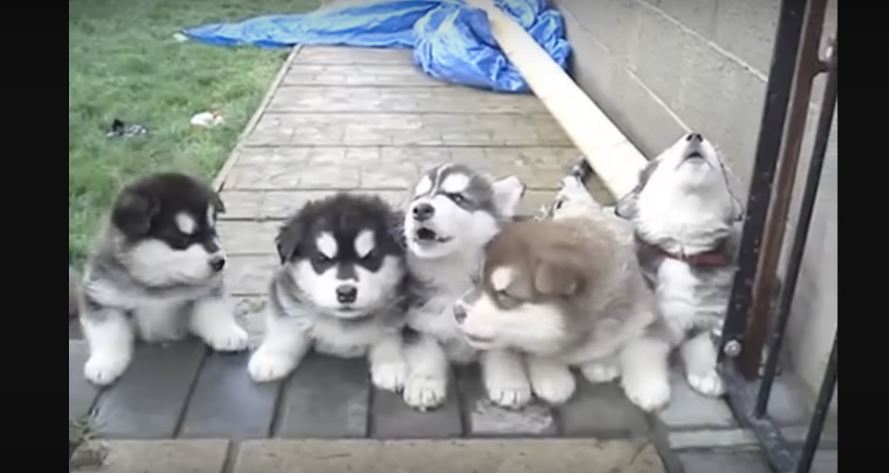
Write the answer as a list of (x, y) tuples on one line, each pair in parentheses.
[(715, 257)]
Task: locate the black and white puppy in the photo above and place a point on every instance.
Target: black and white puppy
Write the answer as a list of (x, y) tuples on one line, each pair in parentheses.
[(155, 272), (338, 290), (686, 224), (453, 213)]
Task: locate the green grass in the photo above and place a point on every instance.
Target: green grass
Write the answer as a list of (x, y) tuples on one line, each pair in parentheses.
[(124, 63)]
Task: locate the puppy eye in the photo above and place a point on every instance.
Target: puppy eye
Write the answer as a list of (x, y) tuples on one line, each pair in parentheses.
[(182, 241), (369, 256), (321, 259), (458, 198)]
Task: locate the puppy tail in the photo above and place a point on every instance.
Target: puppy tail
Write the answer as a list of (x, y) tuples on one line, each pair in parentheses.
[(74, 293)]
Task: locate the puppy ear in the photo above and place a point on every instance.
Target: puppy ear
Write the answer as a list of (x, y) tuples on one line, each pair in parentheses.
[(133, 212), (507, 194), (626, 206), (554, 279), (289, 238)]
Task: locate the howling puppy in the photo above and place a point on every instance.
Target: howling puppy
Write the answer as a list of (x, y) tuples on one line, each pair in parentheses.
[(569, 292), (155, 273), (453, 213), (685, 217), (337, 290)]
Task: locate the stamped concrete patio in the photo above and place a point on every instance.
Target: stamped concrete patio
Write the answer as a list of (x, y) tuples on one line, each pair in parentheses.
[(365, 120)]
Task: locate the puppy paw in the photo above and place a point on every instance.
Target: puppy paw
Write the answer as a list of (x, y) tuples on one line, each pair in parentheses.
[(265, 366), (600, 372), (649, 393), (389, 376), (509, 393), (709, 384), (554, 387), (425, 392), (105, 369), (231, 339)]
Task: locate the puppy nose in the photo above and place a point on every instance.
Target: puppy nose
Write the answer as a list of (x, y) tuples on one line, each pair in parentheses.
[(459, 313), (346, 293), (694, 137), (423, 212), (217, 263)]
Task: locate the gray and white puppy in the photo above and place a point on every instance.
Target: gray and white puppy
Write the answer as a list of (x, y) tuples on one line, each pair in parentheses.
[(454, 211), (338, 290), (155, 273), (685, 219)]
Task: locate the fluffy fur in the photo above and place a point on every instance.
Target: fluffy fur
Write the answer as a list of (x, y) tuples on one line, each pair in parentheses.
[(337, 290), (155, 273), (568, 292), (686, 224), (453, 213)]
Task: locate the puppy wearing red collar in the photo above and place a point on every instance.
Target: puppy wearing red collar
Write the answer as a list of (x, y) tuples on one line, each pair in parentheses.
[(686, 225)]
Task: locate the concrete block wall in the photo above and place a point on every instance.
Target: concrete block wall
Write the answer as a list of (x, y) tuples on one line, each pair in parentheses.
[(659, 68)]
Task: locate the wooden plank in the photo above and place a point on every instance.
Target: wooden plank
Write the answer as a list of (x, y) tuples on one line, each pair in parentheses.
[(322, 98), (226, 403), (601, 411), (391, 418), (486, 419), (148, 400), (357, 75), (326, 397)]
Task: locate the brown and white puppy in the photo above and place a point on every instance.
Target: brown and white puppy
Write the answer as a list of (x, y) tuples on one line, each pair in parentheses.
[(569, 292)]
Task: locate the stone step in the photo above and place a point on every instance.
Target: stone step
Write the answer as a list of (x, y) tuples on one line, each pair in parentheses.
[(452, 456)]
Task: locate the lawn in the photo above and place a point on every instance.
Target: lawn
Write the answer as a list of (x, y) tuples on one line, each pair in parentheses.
[(123, 62)]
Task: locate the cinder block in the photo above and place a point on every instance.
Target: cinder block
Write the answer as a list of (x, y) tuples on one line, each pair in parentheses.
[(747, 29), (697, 15), (591, 64), (615, 23), (647, 122), (663, 47)]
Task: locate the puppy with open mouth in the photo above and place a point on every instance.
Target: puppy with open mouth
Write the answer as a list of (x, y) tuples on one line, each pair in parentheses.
[(155, 273), (686, 221), (565, 292), (338, 290), (453, 213)]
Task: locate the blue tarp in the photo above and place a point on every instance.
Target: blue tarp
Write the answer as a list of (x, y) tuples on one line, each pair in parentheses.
[(450, 40)]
